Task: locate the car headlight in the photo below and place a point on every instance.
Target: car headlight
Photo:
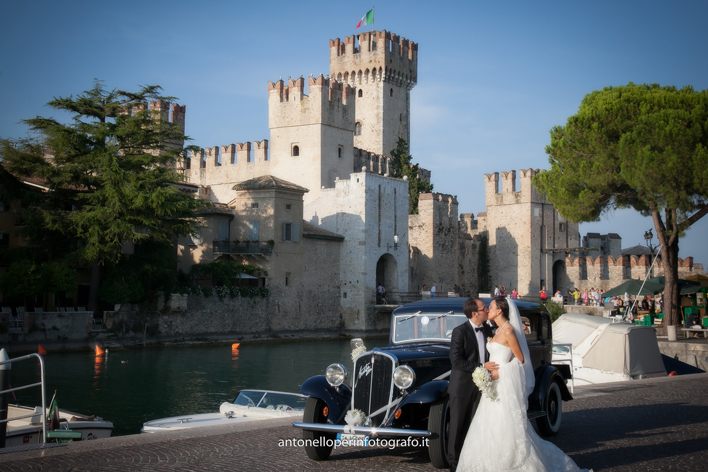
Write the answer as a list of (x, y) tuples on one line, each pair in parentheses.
[(336, 374), (403, 377)]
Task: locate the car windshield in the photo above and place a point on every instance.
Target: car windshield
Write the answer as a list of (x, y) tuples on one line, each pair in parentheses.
[(425, 326), (270, 400)]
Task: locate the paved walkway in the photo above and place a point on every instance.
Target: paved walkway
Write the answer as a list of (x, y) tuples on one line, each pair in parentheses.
[(658, 424)]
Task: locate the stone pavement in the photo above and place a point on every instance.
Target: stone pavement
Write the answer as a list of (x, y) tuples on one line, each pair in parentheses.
[(656, 424)]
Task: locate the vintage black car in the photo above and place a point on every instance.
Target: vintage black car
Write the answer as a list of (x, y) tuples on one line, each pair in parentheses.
[(402, 389)]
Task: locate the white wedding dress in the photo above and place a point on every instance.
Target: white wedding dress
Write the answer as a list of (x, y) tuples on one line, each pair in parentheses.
[(501, 437)]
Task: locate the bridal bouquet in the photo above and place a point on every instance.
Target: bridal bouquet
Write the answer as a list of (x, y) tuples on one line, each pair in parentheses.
[(358, 351), (483, 380)]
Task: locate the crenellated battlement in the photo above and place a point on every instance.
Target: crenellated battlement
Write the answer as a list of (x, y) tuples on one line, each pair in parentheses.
[(328, 103), (512, 190), (228, 155), (374, 56)]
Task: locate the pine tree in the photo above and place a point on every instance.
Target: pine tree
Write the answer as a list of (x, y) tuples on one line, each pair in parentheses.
[(109, 174), (636, 146)]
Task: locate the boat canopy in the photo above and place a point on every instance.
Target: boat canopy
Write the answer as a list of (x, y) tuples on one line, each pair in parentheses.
[(621, 348)]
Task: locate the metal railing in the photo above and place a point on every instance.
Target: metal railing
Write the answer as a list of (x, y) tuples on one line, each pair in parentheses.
[(228, 247), (37, 384)]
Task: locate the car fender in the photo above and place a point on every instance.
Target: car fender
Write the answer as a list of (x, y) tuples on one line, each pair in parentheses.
[(428, 393), (544, 376), (336, 398)]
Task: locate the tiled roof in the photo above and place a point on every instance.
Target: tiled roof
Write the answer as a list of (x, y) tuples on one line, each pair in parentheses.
[(268, 182), (315, 232), (637, 250), (217, 209)]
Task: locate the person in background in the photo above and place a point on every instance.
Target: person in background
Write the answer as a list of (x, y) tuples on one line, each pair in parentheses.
[(576, 296), (502, 291), (424, 289), (558, 294), (586, 298), (497, 292), (456, 289), (515, 294), (542, 295), (432, 291)]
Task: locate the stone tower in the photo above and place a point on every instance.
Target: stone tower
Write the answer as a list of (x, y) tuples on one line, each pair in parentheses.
[(382, 68), (311, 135), (527, 236)]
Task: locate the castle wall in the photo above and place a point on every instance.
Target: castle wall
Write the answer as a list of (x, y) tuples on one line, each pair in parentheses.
[(434, 232), (221, 167), (368, 210)]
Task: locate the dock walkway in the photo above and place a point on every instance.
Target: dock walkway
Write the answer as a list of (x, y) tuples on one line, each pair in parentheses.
[(656, 424)]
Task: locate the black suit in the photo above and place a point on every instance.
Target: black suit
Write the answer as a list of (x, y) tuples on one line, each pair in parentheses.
[(463, 393)]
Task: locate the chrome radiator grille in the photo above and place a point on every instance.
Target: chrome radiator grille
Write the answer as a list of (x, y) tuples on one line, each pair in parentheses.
[(373, 383)]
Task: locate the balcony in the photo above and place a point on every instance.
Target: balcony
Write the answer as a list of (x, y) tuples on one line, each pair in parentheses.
[(245, 248)]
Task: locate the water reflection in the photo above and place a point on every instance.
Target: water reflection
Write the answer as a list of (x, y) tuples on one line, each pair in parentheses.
[(160, 382)]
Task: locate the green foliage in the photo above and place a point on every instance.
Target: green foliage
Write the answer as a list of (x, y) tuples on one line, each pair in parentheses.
[(639, 146), (636, 146), (401, 166), (108, 173), (139, 276), (26, 278), (555, 310), (222, 272)]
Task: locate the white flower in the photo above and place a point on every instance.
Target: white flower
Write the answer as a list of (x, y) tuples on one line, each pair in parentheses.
[(483, 380), (358, 351), (355, 418)]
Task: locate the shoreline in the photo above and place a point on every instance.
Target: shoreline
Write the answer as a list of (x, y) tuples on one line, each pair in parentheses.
[(184, 342)]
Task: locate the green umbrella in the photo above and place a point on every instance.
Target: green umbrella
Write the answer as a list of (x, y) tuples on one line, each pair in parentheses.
[(686, 287), (633, 287)]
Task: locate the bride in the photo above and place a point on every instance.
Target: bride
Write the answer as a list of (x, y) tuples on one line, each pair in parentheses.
[(501, 426)]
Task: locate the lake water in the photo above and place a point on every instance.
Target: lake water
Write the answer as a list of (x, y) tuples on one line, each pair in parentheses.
[(133, 386)]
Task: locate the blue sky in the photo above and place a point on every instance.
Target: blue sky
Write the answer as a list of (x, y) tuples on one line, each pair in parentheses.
[(493, 77)]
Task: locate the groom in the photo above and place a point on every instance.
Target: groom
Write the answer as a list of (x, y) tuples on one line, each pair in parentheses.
[(467, 352)]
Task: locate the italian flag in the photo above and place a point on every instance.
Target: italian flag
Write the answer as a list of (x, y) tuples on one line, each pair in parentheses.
[(368, 19)]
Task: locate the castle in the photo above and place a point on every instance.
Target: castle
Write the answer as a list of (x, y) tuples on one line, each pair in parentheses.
[(315, 209)]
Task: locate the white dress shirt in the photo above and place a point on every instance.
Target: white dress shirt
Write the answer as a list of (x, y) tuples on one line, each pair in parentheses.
[(480, 342)]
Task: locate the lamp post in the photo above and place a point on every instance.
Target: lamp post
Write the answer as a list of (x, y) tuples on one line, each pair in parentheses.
[(648, 237)]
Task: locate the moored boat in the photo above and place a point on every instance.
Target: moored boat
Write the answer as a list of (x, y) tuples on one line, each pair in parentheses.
[(249, 405), (29, 430)]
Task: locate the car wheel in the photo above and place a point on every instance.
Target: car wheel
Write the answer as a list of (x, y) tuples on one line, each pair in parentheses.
[(550, 424), (314, 413), (439, 426)]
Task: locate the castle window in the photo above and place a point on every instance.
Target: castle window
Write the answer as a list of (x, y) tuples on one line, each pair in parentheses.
[(400, 117), (561, 227), (373, 45), (188, 163), (291, 232), (357, 129), (296, 150), (339, 152), (288, 206), (4, 239), (390, 93), (360, 93), (254, 205)]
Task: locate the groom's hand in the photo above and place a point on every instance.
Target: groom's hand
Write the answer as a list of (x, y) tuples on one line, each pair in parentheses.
[(491, 366)]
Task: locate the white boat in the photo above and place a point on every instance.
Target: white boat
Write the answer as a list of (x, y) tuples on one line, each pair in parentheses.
[(249, 405), (603, 351), (29, 430)]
